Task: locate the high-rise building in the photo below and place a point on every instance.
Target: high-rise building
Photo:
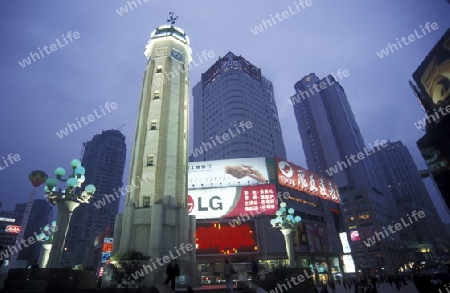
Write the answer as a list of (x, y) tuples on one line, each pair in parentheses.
[(104, 161), (155, 221), (40, 215), (233, 93), (405, 185), (331, 140), (8, 238)]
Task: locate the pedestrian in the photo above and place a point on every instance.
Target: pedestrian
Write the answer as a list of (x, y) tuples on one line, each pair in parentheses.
[(1, 260), (255, 270), (435, 282), (172, 272), (228, 272), (333, 286), (397, 280), (324, 288), (153, 289), (404, 280)]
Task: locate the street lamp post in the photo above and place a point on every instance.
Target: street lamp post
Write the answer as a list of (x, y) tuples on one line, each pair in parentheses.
[(46, 237), (285, 221), (66, 201)]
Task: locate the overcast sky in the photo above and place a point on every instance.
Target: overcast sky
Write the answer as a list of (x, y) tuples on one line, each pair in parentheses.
[(106, 64)]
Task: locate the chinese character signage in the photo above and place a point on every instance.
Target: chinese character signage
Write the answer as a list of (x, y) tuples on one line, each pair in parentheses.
[(107, 245), (229, 202), (12, 229), (299, 178)]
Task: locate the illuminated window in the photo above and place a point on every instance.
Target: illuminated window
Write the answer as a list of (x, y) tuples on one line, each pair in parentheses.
[(159, 69), (153, 124), (156, 95), (150, 160), (364, 216), (146, 201), (351, 219)]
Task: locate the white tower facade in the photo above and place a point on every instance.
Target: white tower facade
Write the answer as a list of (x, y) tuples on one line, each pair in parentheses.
[(155, 221)]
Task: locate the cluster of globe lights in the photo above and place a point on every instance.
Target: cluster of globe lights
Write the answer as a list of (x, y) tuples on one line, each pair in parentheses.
[(47, 232), (75, 180), (285, 218)]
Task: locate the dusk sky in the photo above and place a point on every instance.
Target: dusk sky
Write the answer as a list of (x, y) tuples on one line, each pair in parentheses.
[(106, 64)]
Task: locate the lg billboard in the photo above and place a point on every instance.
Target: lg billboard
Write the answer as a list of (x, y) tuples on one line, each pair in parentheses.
[(230, 202)]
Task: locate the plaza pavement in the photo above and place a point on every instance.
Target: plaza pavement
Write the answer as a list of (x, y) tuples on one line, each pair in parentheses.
[(382, 288)]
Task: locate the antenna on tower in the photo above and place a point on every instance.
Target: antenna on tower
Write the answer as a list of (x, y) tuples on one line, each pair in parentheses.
[(172, 18), (82, 150)]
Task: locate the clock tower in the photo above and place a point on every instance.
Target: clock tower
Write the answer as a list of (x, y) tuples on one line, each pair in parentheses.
[(155, 221)]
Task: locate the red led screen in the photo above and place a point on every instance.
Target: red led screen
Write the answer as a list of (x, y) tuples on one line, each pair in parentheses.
[(222, 238)]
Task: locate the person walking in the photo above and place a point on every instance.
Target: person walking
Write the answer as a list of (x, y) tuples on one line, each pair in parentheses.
[(172, 272), (228, 272), (255, 270)]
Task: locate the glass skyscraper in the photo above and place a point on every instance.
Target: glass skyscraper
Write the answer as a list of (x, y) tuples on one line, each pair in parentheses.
[(330, 136), (235, 115), (403, 182), (104, 160)]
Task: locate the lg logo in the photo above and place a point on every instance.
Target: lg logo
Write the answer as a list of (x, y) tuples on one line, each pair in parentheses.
[(214, 203)]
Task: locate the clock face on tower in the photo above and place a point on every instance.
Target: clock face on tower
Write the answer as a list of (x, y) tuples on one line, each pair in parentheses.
[(177, 55)]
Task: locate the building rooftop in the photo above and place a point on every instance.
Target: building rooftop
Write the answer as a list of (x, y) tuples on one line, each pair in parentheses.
[(170, 30)]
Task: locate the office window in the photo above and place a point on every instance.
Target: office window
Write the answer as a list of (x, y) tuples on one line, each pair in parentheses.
[(146, 201), (156, 95), (150, 160), (159, 69), (153, 125)]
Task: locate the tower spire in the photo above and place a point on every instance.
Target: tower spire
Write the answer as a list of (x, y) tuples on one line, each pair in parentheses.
[(172, 18)]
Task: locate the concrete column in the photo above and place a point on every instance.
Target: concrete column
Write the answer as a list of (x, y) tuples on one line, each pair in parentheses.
[(65, 210), (126, 229), (193, 271), (289, 246), (46, 247)]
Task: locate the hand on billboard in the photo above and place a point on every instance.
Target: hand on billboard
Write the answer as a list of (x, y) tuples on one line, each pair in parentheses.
[(237, 171), (255, 174), (245, 170)]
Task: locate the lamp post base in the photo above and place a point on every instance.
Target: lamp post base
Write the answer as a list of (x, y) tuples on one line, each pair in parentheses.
[(289, 246)]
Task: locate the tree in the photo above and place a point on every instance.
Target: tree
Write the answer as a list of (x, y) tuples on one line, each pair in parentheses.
[(125, 263)]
